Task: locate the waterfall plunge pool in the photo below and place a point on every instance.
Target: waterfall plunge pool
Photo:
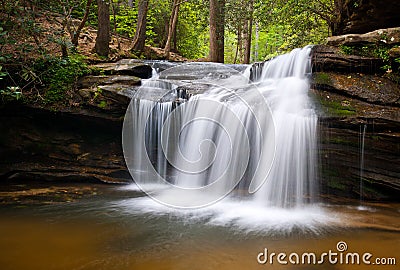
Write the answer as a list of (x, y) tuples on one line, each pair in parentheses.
[(89, 226)]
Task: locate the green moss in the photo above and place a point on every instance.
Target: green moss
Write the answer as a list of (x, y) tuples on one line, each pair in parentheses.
[(335, 108), (336, 185), (340, 141), (96, 71), (376, 138), (322, 78), (102, 104), (379, 50), (349, 50), (329, 172)]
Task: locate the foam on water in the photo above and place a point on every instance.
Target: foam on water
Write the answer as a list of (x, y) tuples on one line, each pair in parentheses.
[(246, 216)]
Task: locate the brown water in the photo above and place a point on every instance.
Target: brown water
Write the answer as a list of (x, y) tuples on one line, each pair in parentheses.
[(73, 226)]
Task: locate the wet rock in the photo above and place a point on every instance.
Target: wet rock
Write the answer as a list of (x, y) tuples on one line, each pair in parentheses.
[(130, 67), (328, 58), (110, 101), (90, 81), (107, 94), (196, 71), (394, 52), (345, 143), (63, 147), (160, 66)]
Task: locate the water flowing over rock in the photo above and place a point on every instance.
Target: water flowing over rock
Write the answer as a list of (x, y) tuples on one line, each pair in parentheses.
[(82, 141), (259, 135)]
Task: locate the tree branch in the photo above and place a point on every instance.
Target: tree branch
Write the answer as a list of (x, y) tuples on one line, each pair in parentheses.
[(75, 39)]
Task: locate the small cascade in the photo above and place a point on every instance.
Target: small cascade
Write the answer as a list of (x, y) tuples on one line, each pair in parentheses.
[(291, 180), (206, 129), (363, 130)]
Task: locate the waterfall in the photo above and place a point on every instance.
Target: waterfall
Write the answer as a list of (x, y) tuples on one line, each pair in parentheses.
[(206, 131), (362, 145), (291, 180)]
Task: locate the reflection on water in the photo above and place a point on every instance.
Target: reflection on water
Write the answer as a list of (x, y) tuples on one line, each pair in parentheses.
[(109, 227)]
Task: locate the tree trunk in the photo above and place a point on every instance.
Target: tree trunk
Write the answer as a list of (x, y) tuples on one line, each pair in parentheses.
[(217, 30), (248, 33), (140, 35), (238, 43), (175, 47), (256, 46), (75, 38), (103, 33), (172, 27), (64, 50)]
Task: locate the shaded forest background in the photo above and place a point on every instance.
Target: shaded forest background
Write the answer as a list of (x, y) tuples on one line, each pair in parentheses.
[(248, 31), (46, 45)]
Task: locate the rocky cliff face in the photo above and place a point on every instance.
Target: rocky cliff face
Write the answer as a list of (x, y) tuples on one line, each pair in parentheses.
[(362, 16), (359, 127), (77, 142), (45, 145)]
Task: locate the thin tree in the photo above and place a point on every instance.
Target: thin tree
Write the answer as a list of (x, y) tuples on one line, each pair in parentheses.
[(75, 36), (140, 35), (248, 33), (172, 27), (102, 46), (217, 30), (238, 43)]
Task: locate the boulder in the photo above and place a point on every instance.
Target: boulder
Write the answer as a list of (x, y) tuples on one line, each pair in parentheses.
[(130, 67), (394, 52), (89, 81), (389, 36)]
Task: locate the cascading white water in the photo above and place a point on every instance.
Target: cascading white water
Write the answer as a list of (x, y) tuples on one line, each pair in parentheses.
[(291, 181), (225, 134), (362, 146)]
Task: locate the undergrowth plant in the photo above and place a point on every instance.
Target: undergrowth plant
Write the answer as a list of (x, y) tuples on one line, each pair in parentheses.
[(58, 75)]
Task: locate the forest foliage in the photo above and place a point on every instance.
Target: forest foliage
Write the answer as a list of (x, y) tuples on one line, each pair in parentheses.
[(38, 38), (278, 26)]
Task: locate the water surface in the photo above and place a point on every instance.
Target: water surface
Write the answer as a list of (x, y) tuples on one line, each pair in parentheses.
[(89, 226)]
